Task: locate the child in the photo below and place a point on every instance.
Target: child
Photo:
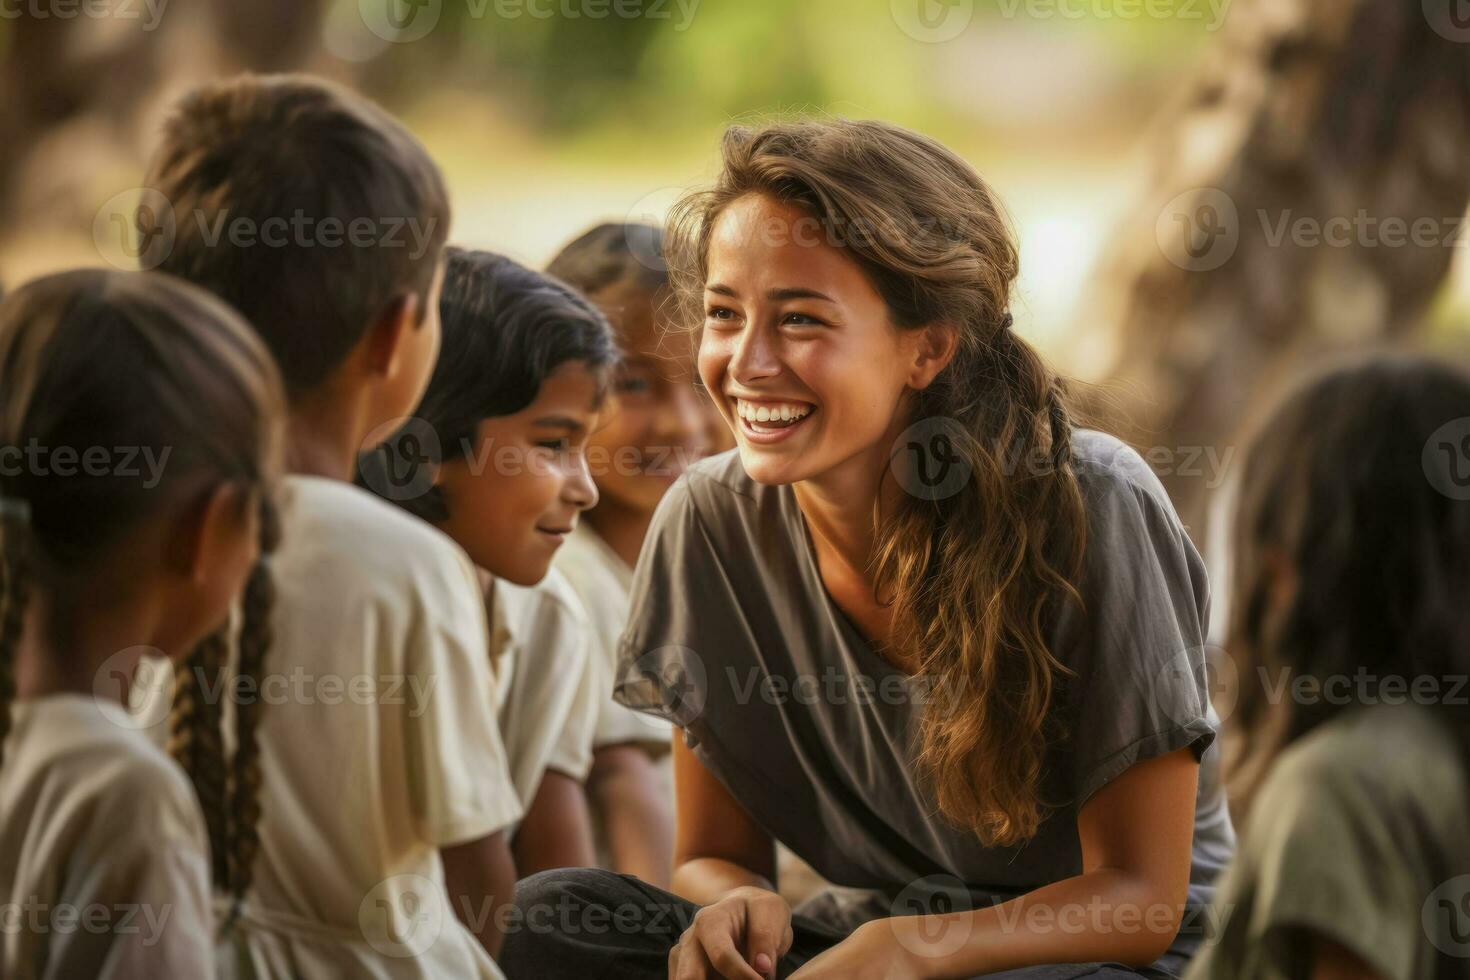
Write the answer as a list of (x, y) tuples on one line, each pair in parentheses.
[(385, 788), (141, 427), (657, 424), (514, 396), (1350, 583)]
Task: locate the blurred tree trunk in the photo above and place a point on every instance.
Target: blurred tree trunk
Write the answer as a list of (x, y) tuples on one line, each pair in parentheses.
[(1355, 110)]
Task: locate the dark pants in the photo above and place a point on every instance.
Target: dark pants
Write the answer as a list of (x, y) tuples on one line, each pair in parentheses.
[(584, 924)]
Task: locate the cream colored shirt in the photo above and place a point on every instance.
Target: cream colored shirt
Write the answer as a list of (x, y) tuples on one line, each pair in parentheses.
[(548, 684), (378, 744), (603, 582), (103, 855)]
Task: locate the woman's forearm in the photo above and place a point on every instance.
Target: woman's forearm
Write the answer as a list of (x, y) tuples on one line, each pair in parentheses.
[(1105, 915), (706, 880)]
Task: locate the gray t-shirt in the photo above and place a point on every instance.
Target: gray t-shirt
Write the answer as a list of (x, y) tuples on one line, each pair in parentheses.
[(733, 637)]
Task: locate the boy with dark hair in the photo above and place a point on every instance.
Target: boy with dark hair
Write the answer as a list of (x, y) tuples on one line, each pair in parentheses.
[(385, 789)]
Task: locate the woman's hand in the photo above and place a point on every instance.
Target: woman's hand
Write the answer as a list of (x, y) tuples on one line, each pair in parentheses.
[(872, 952), (740, 937)]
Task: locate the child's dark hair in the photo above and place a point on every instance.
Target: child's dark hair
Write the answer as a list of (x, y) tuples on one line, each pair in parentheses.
[(296, 164), (506, 328), (610, 255), (1353, 491), (113, 359)]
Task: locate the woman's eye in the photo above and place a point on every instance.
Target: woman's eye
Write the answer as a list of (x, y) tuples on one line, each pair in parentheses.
[(720, 313), (800, 320)]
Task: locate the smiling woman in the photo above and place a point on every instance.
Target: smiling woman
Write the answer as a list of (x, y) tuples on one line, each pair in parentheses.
[(909, 502)]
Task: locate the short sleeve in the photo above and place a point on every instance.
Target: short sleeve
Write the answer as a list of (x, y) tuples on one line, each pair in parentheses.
[(1333, 847), (1138, 646), (146, 869), (458, 774), (571, 749), (678, 575)]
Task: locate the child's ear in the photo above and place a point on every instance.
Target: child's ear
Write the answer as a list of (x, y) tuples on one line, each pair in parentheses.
[(384, 341), (203, 537), (930, 349)]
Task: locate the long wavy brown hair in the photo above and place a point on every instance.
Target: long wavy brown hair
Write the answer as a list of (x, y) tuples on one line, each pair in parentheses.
[(972, 577)]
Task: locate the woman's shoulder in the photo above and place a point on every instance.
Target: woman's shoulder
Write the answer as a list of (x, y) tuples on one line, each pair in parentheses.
[(1107, 467)]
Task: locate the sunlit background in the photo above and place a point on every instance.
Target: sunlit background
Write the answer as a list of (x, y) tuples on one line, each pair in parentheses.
[(549, 115)]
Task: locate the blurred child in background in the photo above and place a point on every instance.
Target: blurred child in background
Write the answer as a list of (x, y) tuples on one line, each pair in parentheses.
[(512, 402), (1349, 621), (381, 807), (657, 422), (105, 559)]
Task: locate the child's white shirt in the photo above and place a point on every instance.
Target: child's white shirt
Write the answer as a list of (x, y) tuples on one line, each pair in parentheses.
[(549, 683), (104, 868), (603, 582), (378, 744)]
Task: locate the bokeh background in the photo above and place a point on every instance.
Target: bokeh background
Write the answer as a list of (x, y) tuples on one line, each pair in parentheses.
[(1165, 161)]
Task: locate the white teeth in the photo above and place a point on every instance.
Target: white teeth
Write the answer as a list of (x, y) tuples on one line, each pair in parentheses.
[(771, 413)]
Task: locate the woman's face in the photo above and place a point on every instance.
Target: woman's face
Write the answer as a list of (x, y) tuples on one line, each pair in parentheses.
[(798, 350), (516, 496), (656, 423)]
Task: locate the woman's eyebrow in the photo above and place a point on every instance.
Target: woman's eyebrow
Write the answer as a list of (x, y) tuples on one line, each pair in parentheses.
[(782, 293)]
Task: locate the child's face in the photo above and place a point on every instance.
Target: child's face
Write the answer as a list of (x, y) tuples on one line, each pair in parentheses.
[(656, 422), (514, 498)]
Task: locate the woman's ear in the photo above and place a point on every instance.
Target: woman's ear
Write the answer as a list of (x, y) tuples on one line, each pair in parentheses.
[(931, 348)]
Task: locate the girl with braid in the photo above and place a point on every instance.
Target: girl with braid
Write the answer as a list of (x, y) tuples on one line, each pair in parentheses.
[(141, 435)]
